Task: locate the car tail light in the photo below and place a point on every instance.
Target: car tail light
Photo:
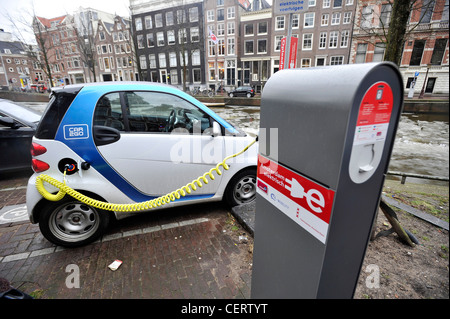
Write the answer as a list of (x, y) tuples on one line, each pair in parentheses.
[(39, 166), (37, 149)]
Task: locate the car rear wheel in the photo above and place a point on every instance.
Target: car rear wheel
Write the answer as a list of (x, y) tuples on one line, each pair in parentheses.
[(71, 223), (231, 94), (249, 95), (242, 188)]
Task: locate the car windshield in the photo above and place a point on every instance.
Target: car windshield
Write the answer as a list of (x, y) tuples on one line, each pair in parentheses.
[(19, 112)]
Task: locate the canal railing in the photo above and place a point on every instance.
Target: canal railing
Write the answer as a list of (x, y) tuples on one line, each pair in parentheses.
[(405, 175)]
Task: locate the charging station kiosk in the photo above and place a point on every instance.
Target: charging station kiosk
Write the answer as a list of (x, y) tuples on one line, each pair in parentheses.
[(327, 142)]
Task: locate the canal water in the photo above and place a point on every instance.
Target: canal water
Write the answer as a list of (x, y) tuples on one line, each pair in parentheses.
[(421, 145)]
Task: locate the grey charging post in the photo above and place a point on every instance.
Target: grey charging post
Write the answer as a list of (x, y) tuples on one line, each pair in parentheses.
[(326, 139)]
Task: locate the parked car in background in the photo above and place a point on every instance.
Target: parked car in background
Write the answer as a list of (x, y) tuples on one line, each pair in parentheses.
[(247, 91), (17, 127)]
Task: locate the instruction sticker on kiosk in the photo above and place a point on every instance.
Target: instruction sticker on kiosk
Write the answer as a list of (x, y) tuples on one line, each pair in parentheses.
[(307, 203), (374, 115)]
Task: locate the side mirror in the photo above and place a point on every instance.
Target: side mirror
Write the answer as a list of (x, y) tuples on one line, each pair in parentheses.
[(216, 130)]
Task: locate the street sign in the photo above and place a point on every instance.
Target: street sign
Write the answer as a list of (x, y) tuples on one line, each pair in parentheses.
[(416, 74), (289, 6)]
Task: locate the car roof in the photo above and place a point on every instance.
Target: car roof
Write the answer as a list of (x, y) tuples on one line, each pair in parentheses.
[(19, 112), (74, 88)]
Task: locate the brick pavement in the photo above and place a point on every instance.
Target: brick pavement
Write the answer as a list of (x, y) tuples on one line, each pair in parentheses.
[(187, 252)]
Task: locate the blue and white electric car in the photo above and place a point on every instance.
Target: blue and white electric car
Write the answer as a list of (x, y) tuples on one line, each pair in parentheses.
[(129, 142)]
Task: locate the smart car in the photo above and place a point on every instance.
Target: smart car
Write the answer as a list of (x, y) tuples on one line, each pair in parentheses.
[(129, 142)]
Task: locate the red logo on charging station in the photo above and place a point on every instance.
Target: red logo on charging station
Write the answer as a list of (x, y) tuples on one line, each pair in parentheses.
[(311, 196)]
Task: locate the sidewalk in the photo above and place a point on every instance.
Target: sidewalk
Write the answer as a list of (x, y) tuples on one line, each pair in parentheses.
[(184, 253)]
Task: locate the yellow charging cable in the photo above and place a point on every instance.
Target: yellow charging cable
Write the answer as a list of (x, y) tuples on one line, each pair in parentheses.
[(162, 200)]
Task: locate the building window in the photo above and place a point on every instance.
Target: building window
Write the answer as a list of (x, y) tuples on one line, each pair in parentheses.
[(248, 49), (211, 48), (196, 75), (160, 39), (309, 20), (323, 40), (438, 51), (230, 28), (344, 38), (138, 23), (158, 20), (182, 36), (181, 16), (337, 3), (195, 37), (334, 35), (279, 24), (416, 56), (152, 61), (248, 29), (295, 21), (336, 18), (361, 53), (277, 43), (427, 11), (324, 20), (306, 63), (385, 15), (171, 37), (193, 14), (326, 3), (231, 13), (262, 46), (140, 42), (221, 47), (162, 60), (337, 60), (231, 46), (148, 22), (172, 59), (220, 29), (220, 14), (143, 62), (378, 53), (169, 18), (150, 40), (347, 18), (196, 57), (307, 41), (173, 77), (210, 16), (262, 27)]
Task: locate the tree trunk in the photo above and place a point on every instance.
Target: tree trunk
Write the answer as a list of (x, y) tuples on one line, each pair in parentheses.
[(395, 41)]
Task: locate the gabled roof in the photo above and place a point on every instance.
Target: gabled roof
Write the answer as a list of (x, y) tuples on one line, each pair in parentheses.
[(48, 22)]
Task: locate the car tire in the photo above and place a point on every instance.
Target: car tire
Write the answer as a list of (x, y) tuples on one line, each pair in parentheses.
[(71, 223), (242, 188), (249, 95), (231, 95)]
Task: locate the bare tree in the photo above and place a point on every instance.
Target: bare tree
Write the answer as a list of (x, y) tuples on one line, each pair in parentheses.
[(85, 41), (42, 56)]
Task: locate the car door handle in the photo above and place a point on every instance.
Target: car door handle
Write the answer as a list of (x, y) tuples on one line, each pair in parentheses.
[(104, 135)]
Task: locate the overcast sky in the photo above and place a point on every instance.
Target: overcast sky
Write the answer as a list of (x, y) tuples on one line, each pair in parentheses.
[(20, 9)]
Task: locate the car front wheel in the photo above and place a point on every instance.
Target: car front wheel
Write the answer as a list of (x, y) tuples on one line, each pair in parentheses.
[(231, 94), (249, 95), (71, 223), (241, 188)]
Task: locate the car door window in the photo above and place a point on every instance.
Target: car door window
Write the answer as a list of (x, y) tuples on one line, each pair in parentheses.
[(109, 112), (158, 112)]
